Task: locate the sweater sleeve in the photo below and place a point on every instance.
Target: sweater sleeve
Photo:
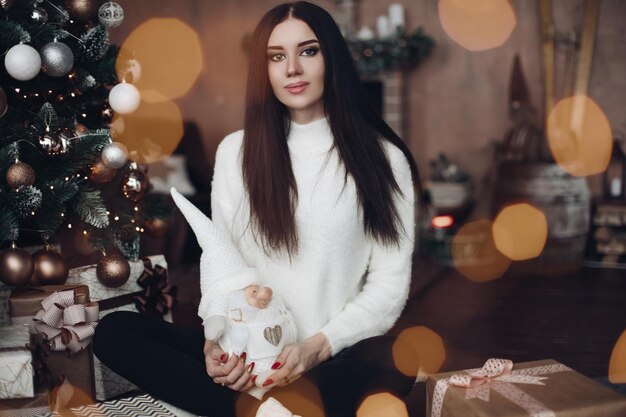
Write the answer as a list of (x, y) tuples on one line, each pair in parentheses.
[(214, 281), (378, 305)]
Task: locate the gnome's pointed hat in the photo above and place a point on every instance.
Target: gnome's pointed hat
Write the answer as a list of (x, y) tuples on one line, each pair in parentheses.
[(225, 258)]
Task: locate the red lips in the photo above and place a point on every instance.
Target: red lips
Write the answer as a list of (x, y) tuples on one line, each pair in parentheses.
[(296, 88)]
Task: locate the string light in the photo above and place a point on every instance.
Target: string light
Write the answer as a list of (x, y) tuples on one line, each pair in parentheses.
[(108, 213), (17, 90), (85, 232), (52, 187), (138, 228), (62, 214), (136, 208), (69, 226), (116, 218)]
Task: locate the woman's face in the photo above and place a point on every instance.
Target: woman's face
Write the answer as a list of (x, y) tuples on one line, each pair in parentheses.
[(296, 69)]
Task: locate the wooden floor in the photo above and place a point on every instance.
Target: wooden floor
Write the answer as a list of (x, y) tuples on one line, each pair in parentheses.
[(574, 318)]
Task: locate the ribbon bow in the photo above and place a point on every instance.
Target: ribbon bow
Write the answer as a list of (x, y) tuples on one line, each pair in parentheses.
[(67, 325), (158, 295), (498, 375)]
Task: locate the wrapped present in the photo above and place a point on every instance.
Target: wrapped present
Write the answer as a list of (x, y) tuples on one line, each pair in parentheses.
[(147, 291), (38, 405), (16, 368), (66, 316), (543, 388)]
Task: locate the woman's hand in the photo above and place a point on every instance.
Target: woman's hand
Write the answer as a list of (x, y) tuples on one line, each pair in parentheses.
[(229, 372), (297, 358)]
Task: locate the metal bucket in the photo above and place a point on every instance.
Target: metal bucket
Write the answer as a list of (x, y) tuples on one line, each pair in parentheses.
[(566, 202)]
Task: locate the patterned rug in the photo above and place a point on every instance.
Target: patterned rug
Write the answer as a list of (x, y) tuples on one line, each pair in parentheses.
[(143, 405)]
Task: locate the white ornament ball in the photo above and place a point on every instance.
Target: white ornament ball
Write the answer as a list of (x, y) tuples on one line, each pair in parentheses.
[(57, 59), (22, 62), (114, 155), (110, 14), (124, 98)]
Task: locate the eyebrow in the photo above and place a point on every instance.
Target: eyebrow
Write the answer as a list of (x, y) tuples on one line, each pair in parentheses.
[(310, 41)]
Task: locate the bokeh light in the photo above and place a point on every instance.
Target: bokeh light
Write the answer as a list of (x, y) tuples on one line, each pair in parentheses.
[(617, 365), (477, 25), (579, 135), (382, 404), (301, 397), (167, 55), (151, 133), (520, 231), (418, 351), (475, 255)]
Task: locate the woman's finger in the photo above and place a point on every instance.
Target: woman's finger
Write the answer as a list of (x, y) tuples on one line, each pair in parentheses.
[(236, 372), (243, 382)]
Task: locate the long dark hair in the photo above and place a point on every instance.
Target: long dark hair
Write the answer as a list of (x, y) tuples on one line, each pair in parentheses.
[(355, 125)]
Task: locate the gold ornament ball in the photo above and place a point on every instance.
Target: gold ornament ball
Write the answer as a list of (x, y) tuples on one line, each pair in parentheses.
[(50, 268), (16, 266), (82, 10), (157, 227), (113, 270), (20, 174), (100, 173)]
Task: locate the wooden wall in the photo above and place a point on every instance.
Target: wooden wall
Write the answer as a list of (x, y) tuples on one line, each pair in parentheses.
[(457, 99)]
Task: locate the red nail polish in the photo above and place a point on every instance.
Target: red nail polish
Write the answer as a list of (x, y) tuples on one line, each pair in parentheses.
[(251, 367), (253, 379), (268, 382), (223, 357), (275, 365), (243, 356)]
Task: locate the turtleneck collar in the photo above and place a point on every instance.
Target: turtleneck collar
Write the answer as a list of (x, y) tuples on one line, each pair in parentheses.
[(313, 137)]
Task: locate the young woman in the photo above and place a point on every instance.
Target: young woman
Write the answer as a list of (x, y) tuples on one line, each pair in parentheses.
[(318, 195)]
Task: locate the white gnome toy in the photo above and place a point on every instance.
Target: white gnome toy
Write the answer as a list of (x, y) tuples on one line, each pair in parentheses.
[(247, 317)]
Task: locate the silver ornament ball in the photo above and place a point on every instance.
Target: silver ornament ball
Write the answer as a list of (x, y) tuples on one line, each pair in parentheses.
[(57, 59), (114, 155), (39, 15), (110, 14)]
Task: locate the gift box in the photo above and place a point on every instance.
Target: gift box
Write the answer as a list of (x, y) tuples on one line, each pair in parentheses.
[(16, 368), (543, 388), (27, 407), (66, 316), (147, 291)]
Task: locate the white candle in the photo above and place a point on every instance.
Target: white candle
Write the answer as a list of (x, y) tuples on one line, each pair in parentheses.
[(396, 16), (365, 33), (383, 27), (616, 187)]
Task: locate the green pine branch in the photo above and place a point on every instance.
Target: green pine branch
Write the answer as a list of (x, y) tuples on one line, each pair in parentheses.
[(8, 155), (93, 45), (156, 206), (9, 225), (89, 205), (12, 34), (25, 201)]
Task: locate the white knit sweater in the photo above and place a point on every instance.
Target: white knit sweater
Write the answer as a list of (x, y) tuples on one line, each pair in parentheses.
[(341, 282)]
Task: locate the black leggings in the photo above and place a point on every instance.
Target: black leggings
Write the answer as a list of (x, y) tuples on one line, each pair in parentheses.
[(167, 361)]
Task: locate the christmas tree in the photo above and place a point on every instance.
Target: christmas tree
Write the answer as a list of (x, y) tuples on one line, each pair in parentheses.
[(62, 168)]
